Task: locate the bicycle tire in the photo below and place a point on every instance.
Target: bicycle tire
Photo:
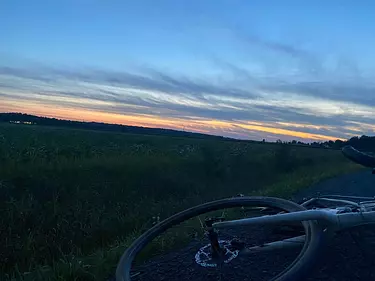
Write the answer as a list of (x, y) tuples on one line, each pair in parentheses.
[(297, 270)]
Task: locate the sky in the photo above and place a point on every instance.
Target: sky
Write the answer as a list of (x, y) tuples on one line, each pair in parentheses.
[(269, 70)]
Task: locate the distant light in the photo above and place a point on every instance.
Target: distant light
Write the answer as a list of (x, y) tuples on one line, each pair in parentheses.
[(22, 122)]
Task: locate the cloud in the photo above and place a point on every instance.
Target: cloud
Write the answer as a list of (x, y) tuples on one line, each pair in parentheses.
[(301, 110), (286, 49), (359, 92), (296, 70), (282, 59), (150, 79)]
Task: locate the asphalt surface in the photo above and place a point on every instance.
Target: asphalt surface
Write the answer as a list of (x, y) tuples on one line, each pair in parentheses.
[(344, 259), (361, 183)]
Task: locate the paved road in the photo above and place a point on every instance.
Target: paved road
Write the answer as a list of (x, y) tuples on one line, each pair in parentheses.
[(342, 260), (361, 183)]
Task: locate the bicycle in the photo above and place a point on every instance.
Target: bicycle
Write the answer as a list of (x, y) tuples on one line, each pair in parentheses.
[(311, 224)]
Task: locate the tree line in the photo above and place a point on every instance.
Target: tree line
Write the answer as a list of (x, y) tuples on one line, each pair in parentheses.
[(21, 118), (365, 143)]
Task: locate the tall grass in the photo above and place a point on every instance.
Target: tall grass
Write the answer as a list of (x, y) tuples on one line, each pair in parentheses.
[(72, 200)]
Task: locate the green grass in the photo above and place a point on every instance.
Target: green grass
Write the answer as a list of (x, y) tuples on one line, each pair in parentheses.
[(73, 200)]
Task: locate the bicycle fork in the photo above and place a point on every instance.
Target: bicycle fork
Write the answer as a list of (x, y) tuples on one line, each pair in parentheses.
[(216, 251)]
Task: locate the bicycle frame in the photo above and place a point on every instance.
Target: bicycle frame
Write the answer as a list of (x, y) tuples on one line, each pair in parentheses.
[(320, 223), (332, 219)]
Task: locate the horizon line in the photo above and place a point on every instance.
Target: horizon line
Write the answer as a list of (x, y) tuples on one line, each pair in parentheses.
[(62, 118)]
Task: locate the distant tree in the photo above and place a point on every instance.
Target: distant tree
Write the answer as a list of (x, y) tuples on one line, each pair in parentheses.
[(365, 143), (339, 143), (317, 144), (44, 121)]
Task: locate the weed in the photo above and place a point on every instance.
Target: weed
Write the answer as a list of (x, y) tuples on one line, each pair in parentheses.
[(71, 201)]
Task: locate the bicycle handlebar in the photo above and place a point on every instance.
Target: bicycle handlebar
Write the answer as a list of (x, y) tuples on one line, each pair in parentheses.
[(358, 157)]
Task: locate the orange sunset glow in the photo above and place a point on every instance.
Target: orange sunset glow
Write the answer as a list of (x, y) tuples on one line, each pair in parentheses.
[(200, 125)]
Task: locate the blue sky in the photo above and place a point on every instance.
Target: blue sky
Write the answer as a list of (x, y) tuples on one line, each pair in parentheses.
[(246, 69)]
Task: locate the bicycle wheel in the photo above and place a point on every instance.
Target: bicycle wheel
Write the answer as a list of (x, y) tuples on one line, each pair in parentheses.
[(304, 253)]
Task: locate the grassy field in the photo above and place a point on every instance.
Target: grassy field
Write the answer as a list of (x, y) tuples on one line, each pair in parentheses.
[(72, 200)]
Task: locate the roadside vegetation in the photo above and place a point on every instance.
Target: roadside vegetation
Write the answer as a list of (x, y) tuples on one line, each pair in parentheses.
[(72, 200)]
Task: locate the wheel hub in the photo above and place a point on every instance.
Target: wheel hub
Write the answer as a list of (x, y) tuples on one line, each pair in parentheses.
[(204, 257)]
